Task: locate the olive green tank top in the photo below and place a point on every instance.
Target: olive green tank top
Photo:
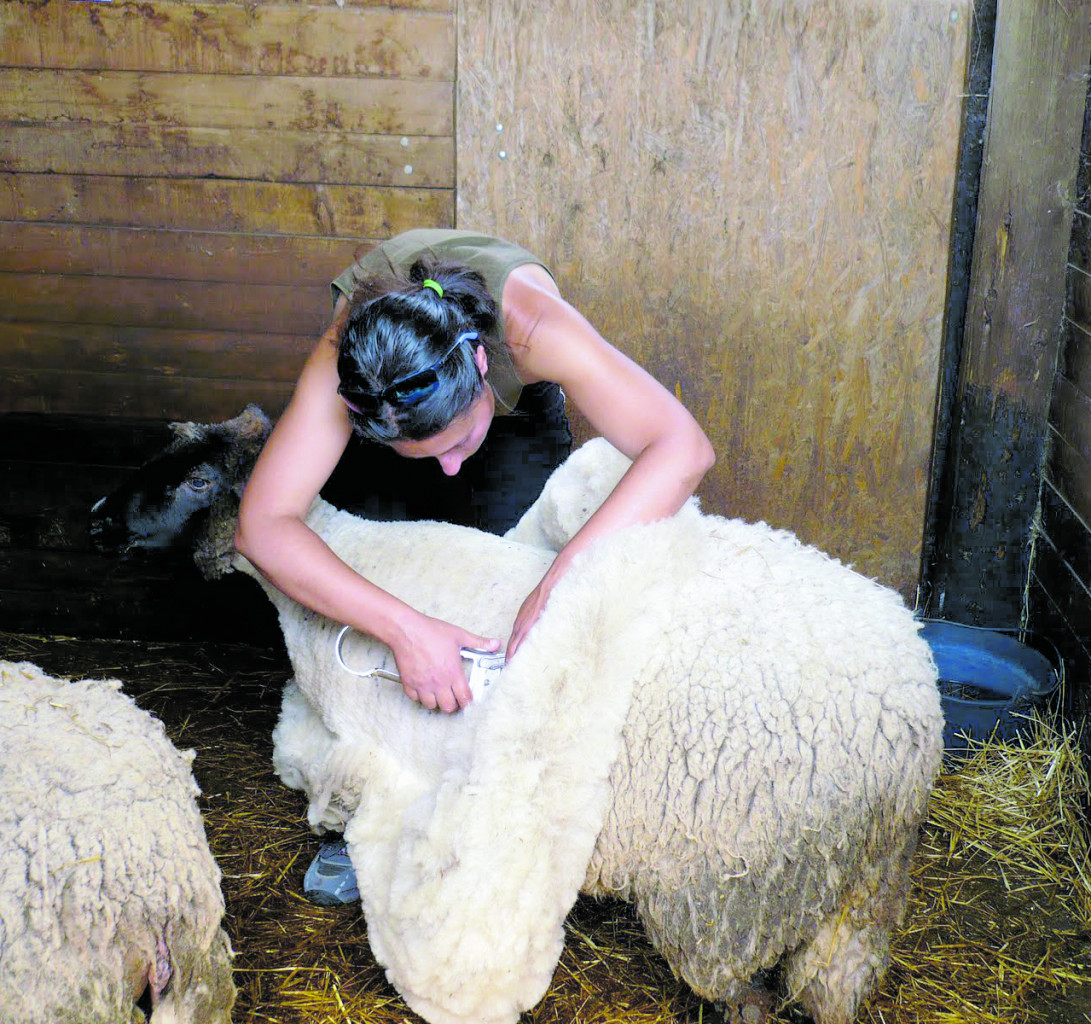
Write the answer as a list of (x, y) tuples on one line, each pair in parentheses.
[(493, 258)]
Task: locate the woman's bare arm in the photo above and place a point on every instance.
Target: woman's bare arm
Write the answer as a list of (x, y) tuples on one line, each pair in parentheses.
[(550, 340)]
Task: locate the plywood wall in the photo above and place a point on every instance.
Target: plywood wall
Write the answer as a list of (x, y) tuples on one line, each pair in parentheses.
[(754, 200), (179, 181)]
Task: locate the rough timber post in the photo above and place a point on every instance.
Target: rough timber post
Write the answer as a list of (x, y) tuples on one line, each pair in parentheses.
[(1016, 301)]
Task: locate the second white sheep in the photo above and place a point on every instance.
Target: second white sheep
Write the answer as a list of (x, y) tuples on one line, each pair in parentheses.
[(110, 903)]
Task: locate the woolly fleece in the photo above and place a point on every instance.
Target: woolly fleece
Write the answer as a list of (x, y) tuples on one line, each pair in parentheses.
[(105, 871), (731, 728)]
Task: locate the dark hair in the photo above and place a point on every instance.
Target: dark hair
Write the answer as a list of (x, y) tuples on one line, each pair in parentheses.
[(396, 327)]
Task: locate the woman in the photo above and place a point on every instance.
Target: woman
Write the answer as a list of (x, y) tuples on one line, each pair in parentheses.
[(436, 333)]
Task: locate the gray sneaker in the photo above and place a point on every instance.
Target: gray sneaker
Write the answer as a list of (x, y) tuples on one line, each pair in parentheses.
[(330, 880)]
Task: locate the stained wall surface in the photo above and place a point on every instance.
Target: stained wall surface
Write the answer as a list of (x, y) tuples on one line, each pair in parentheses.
[(755, 202)]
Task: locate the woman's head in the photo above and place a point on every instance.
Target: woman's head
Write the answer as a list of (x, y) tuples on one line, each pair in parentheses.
[(407, 358)]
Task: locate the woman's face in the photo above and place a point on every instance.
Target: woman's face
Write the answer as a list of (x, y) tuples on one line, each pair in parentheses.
[(462, 437)]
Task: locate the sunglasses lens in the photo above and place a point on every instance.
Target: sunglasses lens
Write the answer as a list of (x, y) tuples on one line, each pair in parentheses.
[(360, 402), (416, 388)]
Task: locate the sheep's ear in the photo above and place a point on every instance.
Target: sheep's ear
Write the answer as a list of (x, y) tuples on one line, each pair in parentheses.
[(250, 423), (187, 431)]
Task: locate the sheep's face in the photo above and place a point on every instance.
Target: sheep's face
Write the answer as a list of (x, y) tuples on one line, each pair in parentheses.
[(163, 504)]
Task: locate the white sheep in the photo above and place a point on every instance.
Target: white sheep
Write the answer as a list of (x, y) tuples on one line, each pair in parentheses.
[(711, 719), (110, 904)]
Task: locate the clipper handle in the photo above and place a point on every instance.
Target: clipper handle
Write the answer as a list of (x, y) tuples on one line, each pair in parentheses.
[(485, 666)]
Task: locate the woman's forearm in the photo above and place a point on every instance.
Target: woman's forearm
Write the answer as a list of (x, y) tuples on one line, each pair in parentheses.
[(426, 650), (300, 564), (659, 482)]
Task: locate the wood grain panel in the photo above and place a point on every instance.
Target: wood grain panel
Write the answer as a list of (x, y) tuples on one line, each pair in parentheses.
[(78, 593), (179, 255), (99, 441), (369, 105), (1056, 613), (65, 568), (348, 211), (1026, 211), (180, 181), (99, 348), (1079, 251), (30, 484), (1046, 618), (136, 395), (1017, 299), (1050, 615), (1078, 305), (294, 156), (184, 305), (228, 39), (1069, 597)]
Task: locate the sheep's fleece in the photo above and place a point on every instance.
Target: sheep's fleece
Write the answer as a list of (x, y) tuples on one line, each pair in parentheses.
[(108, 890), (730, 728)]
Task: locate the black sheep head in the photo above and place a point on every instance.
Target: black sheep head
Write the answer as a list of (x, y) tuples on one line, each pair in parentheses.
[(187, 495)]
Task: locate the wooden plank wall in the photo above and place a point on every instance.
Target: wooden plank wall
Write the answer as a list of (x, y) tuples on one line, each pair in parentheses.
[(1059, 593), (179, 181), (755, 201)]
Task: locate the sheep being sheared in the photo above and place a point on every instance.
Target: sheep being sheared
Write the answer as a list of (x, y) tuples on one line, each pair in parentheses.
[(110, 903), (711, 719)]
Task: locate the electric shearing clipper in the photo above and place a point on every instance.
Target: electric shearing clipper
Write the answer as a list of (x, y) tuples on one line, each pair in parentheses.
[(485, 667)]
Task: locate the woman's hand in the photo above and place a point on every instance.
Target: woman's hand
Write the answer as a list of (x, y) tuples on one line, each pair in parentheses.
[(529, 611), (430, 663), (532, 608)]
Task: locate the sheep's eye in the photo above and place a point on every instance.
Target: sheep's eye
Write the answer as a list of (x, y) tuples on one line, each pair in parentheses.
[(198, 483)]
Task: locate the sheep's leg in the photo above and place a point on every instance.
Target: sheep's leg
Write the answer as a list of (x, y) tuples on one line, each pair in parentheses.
[(837, 970), (751, 1005), (832, 973)]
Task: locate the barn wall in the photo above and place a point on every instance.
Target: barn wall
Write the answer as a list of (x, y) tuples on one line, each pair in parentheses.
[(755, 202), (179, 182)]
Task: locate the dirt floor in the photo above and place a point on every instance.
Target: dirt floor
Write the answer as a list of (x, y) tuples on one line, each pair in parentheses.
[(981, 943)]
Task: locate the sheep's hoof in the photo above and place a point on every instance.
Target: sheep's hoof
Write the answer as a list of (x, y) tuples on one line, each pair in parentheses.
[(752, 1007)]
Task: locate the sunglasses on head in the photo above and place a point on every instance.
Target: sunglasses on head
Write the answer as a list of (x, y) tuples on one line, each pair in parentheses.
[(408, 390)]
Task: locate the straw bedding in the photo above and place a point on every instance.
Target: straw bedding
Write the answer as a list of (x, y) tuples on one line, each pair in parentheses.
[(998, 929)]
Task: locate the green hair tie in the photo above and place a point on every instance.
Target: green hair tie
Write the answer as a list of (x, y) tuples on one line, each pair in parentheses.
[(434, 285)]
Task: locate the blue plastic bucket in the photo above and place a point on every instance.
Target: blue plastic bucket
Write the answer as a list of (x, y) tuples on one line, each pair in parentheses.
[(988, 681)]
